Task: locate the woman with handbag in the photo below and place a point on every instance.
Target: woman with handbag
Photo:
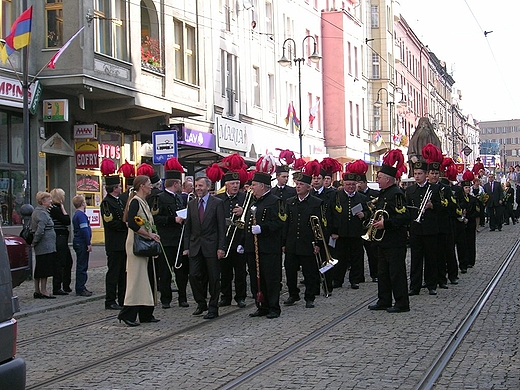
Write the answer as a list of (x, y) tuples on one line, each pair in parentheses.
[(140, 296), (44, 243)]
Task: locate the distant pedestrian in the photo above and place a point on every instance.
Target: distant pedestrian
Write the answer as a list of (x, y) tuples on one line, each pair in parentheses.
[(44, 244), (81, 244), (494, 203), (63, 263)]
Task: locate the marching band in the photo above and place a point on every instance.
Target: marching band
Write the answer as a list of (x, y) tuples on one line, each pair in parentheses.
[(214, 239)]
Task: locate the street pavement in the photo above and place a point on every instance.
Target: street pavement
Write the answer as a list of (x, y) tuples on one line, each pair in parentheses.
[(370, 350)]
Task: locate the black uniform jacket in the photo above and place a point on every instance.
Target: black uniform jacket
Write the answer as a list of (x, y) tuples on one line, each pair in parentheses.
[(229, 205), (167, 205), (298, 232), (116, 230), (271, 223), (344, 223), (429, 222), (283, 193), (393, 201)]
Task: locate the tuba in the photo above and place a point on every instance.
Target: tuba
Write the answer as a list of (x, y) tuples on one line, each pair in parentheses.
[(329, 262), (372, 233)]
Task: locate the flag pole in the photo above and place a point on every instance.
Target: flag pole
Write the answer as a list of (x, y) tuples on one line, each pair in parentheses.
[(26, 118)]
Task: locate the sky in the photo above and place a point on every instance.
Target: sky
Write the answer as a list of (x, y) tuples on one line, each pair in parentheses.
[(485, 68)]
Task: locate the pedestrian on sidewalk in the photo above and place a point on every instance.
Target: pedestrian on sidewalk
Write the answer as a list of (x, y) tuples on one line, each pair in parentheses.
[(81, 244)]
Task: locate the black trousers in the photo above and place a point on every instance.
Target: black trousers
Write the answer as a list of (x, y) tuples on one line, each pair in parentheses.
[(270, 279), (130, 313), (391, 267), (461, 244), (115, 279), (233, 264), (423, 251), (495, 217), (204, 271), (372, 257), (62, 265), (446, 248), (310, 272), (164, 273), (471, 242), (350, 253), (182, 276)]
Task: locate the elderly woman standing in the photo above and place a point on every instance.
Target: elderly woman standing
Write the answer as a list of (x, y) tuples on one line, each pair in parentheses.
[(44, 244), (140, 293), (63, 263)]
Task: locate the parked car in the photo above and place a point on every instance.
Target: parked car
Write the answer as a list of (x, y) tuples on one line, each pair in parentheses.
[(18, 252), (12, 369)]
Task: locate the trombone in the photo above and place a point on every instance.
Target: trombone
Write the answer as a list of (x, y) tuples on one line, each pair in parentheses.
[(329, 262), (237, 223), (424, 202)]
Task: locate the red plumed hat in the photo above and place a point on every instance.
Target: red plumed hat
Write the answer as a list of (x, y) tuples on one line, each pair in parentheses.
[(214, 172), (393, 163), (127, 169), (299, 163), (173, 164), (145, 169), (467, 179), (312, 168), (356, 171), (431, 153), (234, 162), (331, 165), (286, 156), (446, 162), (107, 167), (266, 164)]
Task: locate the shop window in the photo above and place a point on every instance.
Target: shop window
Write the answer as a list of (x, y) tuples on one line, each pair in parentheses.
[(7, 17), (11, 196), (54, 22), (11, 138), (110, 33)]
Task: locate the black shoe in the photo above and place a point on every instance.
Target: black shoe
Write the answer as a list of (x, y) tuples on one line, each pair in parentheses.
[(432, 291), (166, 305), (375, 280), (258, 313), (507, 223), (413, 292), (184, 304), (113, 306), (491, 230), (443, 285), (463, 271), (200, 310), (174, 289), (84, 293), (67, 289), (354, 286), (290, 301), (128, 322), (38, 295), (309, 304), (395, 309), (153, 319), (377, 307), (224, 302), (241, 304), (454, 281), (48, 296), (272, 314), (211, 315), (60, 292), (499, 230), (470, 266), (424, 285), (336, 284)]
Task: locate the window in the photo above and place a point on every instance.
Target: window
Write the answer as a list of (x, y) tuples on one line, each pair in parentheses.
[(377, 118), (317, 64), (229, 80), (54, 22), (351, 118), (374, 16), (268, 18), (357, 121), (256, 86), (227, 15), (272, 93), (356, 69), (110, 28), (185, 52), (349, 54), (375, 66), (6, 17), (151, 50)]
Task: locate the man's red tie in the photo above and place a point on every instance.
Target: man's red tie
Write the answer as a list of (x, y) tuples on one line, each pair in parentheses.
[(201, 210)]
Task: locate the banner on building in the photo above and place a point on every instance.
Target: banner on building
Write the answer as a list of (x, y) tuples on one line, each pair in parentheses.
[(87, 155)]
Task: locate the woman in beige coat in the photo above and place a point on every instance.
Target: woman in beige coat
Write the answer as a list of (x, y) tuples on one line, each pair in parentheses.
[(140, 294)]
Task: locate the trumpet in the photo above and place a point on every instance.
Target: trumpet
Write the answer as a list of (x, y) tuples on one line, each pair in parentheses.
[(372, 232), (422, 207), (237, 223), (371, 204), (329, 262)]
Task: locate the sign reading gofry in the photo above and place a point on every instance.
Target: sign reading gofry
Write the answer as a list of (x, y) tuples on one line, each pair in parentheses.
[(56, 110), (87, 155)]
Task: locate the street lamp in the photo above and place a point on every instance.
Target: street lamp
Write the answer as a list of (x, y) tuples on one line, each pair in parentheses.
[(379, 103), (284, 61)]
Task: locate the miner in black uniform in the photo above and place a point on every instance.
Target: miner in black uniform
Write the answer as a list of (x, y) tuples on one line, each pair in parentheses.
[(281, 189), (371, 194), (424, 230), (300, 245), (234, 262), (112, 209), (349, 211), (129, 183), (169, 227), (391, 249), (268, 231)]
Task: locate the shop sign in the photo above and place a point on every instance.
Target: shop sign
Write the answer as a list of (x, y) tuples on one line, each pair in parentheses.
[(231, 134), (164, 145), (56, 110), (85, 131), (94, 217), (87, 183), (110, 151), (87, 155), (197, 139), (35, 97)]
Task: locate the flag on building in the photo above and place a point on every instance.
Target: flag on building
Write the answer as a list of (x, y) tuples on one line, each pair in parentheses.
[(314, 111), (378, 139), (289, 114), (20, 35), (56, 56), (295, 119)]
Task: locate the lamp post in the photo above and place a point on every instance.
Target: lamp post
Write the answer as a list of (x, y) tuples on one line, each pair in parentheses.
[(284, 61), (379, 103)]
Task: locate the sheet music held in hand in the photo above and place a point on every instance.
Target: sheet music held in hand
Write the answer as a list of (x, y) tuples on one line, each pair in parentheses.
[(183, 213), (357, 208), (326, 267)]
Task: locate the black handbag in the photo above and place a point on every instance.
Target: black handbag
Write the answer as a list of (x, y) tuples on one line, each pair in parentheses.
[(27, 234), (144, 247)]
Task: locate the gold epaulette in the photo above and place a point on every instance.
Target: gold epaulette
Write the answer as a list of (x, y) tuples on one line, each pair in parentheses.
[(444, 202), (400, 208), (107, 215), (459, 212), (323, 218), (338, 207), (281, 211)]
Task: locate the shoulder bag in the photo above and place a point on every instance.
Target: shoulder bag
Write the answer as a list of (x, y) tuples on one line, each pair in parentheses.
[(145, 247)]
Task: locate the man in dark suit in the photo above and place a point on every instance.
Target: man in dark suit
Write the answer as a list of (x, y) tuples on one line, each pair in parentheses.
[(281, 189), (205, 244), (494, 203), (112, 209)]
